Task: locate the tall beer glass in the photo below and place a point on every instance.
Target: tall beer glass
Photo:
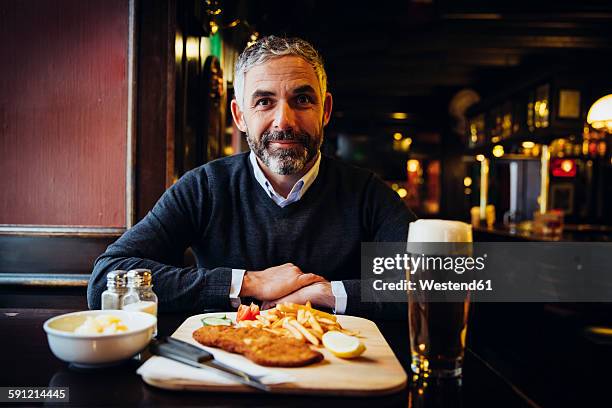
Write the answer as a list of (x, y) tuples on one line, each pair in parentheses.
[(438, 328)]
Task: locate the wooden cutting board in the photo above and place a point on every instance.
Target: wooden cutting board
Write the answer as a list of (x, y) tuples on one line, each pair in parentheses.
[(376, 372)]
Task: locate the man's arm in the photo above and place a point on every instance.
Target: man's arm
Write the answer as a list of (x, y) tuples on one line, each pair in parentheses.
[(158, 243), (178, 288), (276, 281), (270, 283)]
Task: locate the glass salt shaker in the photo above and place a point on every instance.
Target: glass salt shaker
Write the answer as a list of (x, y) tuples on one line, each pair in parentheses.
[(140, 296), (116, 288)]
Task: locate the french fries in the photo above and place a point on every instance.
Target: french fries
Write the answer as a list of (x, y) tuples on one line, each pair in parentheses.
[(302, 322), (293, 330), (304, 331)]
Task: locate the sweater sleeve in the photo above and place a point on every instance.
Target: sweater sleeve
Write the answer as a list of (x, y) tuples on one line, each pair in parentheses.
[(158, 243), (385, 219)]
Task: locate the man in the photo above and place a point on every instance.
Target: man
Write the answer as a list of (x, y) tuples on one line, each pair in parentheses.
[(281, 223)]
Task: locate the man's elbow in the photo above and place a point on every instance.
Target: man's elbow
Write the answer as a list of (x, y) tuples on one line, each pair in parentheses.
[(93, 298), (97, 283)]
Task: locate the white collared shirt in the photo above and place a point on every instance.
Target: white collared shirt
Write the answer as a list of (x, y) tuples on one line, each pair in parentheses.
[(298, 189), (297, 192)]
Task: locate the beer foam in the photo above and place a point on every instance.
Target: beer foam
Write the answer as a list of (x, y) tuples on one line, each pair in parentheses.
[(439, 231)]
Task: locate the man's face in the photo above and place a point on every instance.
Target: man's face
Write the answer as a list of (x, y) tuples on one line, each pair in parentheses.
[(283, 113)]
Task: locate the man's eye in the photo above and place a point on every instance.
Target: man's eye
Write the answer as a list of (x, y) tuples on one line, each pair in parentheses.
[(262, 102), (303, 99)]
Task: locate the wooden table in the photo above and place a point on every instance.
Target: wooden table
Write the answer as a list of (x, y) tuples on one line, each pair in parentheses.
[(26, 360)]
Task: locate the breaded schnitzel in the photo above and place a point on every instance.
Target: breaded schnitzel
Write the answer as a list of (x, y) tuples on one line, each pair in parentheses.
[(259, 346)]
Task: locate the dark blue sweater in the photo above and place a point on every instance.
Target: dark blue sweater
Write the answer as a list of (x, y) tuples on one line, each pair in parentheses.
[(225, 216)]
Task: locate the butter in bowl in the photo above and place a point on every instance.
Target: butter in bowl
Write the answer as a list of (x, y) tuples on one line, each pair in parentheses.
[(97, 338)]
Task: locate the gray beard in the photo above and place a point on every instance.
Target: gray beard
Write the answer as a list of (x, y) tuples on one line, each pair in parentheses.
[(285, 161)]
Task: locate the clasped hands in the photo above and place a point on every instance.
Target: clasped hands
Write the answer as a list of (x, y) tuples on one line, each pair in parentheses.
[(287, 283)]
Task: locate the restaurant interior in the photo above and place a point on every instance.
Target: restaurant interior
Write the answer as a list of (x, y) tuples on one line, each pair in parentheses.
[(494, 113)]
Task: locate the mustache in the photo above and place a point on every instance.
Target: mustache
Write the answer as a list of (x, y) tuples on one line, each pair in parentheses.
[(285, 135)]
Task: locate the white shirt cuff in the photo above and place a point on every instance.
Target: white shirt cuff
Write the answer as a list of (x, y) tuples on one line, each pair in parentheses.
[(340, 295), (236, 286)]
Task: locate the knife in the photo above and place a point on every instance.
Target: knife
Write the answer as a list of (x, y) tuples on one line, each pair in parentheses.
[(193, 356)]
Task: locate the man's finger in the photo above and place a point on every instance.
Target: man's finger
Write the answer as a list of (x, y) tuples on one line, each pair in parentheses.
[(268, 305), (309, 278)]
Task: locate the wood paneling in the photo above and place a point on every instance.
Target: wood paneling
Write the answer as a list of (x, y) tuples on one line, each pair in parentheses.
[(50, 255), (74, 298), (63, 112), (155, 110)]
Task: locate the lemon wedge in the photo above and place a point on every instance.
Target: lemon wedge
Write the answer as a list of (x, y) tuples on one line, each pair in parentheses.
[(342, 345)]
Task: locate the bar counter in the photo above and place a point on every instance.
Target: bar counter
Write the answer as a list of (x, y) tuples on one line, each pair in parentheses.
[(571, 233), (27, 361)]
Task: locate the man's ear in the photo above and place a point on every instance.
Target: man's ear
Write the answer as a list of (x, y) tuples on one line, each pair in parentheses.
[(238, 116), (327, 108)]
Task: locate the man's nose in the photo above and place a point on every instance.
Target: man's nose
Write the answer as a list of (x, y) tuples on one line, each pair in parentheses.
[(284, 117)]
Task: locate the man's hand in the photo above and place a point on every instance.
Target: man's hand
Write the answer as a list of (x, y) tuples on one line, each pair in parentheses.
[(276, 282), (320, 294)]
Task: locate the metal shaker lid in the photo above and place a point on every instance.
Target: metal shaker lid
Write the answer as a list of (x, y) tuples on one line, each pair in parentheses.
[(139, 277), (116, 279)]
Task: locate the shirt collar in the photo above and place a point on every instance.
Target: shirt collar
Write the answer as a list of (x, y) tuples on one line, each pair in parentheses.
[(298, 189)]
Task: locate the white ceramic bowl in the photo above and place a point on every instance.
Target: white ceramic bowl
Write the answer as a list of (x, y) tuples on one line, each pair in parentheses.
[(101, 349)]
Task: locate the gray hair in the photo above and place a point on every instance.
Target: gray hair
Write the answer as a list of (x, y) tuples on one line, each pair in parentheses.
[(274, 47)]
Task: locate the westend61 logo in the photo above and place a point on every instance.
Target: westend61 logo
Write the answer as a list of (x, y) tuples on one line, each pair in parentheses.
[(405, 262), (432, 273), (489, 271)]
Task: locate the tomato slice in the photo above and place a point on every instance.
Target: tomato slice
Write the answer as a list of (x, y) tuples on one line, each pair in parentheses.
[(241, 315), (247, 312), (254, 310)]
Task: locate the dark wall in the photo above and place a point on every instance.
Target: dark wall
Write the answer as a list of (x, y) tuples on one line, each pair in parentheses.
[(155, 102), (453, 204)]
